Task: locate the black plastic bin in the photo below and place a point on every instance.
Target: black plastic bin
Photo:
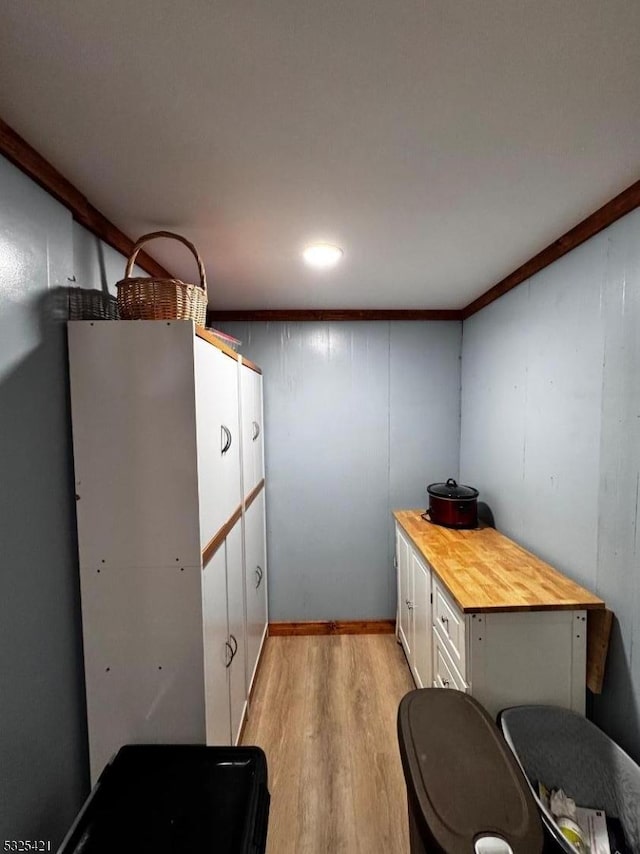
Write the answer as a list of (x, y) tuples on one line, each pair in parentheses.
[(465, 790), (561, 748), (177, 799)]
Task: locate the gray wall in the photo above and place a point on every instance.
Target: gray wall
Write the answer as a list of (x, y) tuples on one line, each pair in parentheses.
[(551, 434), (359, 418), (43, 753)]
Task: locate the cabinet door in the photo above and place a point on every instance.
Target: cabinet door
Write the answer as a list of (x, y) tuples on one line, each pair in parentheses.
[(248, 412), (218, 438), (256, 583), (235, 605), (216, 651), (421, 612), (258, 432), (252, 440), (405, 592)]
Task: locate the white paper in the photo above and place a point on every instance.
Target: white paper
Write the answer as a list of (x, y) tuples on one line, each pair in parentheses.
[(594, 827)]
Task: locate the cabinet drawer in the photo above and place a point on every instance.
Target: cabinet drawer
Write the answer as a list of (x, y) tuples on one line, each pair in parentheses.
[(449, 621), (445, 672)]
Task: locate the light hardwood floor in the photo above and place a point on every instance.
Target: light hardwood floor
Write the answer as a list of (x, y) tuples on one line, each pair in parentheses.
[(324, 711)]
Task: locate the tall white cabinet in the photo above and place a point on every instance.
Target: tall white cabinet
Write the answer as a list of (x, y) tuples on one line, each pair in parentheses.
[(169, 470)]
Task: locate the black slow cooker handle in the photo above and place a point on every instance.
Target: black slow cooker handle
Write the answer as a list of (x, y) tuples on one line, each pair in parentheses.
[(451, 482)]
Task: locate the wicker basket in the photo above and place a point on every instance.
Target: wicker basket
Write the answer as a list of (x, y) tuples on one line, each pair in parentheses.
[(146, 298)]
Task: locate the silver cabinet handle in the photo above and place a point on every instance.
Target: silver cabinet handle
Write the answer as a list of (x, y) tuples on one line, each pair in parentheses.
[(259, 573), (410, 606), (225, 439), (256, 430), (445, 683), (445, 620)]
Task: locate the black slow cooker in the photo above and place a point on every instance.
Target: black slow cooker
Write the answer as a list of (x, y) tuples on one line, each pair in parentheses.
[(453, 505)]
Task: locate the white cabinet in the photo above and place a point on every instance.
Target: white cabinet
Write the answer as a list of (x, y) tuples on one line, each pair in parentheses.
[(252, 433), (217, 649), (224, 643), (167, 613), (255, 582), (405, 592), (421, 612), (414, 610), (503, 657), (235, 607), (218, 437)]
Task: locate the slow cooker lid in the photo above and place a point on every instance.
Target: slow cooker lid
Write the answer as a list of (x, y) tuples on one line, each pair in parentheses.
[(451, 489)]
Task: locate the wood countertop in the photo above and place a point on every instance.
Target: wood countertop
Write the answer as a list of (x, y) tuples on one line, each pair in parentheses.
[(212, 338), (485, 571)]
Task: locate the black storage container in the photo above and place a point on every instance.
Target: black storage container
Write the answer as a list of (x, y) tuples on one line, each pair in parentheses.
[(178, 799), (465, 790)]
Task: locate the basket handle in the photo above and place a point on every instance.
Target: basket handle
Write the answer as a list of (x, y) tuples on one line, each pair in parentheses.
[(146, 237)]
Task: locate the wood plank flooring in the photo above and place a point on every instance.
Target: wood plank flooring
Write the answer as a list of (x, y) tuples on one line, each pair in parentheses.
[(324, 711)]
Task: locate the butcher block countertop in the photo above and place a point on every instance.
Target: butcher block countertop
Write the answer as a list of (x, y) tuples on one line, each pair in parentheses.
[(485, 571)]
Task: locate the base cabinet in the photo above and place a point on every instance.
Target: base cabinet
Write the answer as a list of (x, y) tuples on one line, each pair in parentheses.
[(501, 658), (421, 614), (414, 610), (405, 592)]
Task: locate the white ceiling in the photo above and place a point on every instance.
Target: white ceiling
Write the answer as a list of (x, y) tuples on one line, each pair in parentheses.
[(441, 143)]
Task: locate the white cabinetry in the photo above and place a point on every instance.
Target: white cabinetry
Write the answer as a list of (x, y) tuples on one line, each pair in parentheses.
[(421, 613), (502, 657), (167, 613), (252, 437), (218, 649), (255, 582), (224, 641), (414, 610), (218, 437), (235, 608), (405, 592)]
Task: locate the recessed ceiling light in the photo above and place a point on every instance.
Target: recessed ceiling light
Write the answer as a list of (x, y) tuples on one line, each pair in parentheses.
[(322, 255)]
